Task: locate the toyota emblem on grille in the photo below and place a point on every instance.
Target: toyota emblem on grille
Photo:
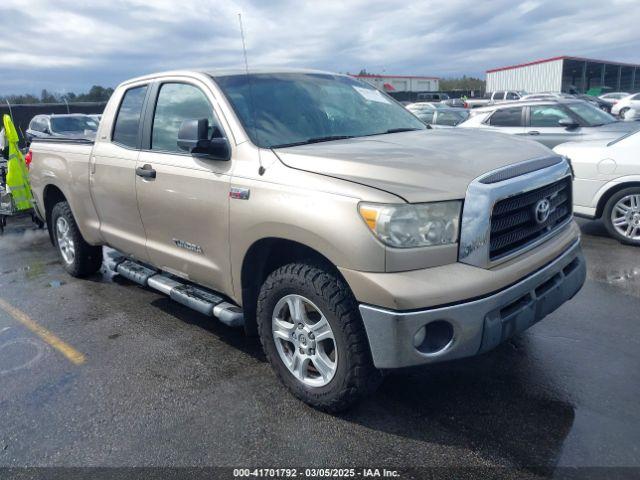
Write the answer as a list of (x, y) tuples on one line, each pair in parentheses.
[(542, 210)]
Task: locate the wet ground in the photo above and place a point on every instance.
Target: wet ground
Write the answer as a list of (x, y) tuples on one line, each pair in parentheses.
[(159, 385)]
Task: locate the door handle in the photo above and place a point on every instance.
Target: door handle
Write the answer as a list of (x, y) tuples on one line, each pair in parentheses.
[(533, 132), (146, 171)]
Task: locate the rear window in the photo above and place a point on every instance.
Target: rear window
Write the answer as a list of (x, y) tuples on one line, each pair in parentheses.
[(125, 131), (506, 117), (73, 124), (451, 117)]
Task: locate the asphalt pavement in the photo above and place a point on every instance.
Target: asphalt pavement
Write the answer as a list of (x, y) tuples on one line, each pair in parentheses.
[(110, 374)]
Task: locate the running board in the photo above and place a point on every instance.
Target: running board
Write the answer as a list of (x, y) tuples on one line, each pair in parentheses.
[(197, 298)]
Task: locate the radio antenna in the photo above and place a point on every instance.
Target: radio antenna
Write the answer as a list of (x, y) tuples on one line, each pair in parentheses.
[(261, 170)]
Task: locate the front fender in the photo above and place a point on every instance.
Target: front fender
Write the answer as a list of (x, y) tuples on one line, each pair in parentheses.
[(612, 184)]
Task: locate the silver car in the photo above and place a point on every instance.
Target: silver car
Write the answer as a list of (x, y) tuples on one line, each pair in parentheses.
[(438, 115), (73, 126), (550, 122)]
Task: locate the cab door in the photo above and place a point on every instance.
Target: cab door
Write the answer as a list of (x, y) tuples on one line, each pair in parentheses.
[(543, 125), (112, 176), (184, 199)]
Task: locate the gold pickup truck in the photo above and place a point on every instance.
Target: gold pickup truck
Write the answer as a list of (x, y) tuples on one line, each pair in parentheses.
[(312, 209)]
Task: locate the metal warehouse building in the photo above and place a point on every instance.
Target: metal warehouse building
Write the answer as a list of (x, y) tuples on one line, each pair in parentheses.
[(565, 74), (402, 83)]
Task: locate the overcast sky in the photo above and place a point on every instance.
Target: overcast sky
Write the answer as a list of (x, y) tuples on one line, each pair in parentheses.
[(69, 45)]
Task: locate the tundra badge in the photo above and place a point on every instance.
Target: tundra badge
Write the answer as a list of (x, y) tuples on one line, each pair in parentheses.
[(188, 246)]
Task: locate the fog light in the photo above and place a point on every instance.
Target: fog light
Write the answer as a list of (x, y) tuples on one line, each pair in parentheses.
[(434, 337), (418, 338)]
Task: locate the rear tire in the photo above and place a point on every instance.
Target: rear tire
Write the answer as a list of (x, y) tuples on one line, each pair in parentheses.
[(623, 111), (621, 216), (78, 257), (345, 372)]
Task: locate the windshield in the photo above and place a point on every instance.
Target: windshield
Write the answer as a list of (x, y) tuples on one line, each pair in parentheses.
[(73, 124), (297, 108), (592, 116)]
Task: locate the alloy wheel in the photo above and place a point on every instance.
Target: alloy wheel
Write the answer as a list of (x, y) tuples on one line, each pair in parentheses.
[(304, 340), (625, 217), (65, 242)]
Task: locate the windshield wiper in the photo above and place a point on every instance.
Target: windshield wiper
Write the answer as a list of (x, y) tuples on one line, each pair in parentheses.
[(328, 138), (405, 129)]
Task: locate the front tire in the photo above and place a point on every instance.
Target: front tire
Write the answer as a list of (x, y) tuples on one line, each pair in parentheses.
[(78, 257), (312, 334), (621, 216), (622, 112)]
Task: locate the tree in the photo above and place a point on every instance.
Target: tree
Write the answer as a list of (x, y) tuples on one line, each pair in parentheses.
[(96, 93), (462, 83), (46, 97)]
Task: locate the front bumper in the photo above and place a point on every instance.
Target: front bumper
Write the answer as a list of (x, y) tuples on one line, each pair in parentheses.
[(476, 325)]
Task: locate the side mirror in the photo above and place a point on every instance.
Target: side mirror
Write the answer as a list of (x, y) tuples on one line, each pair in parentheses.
[(568, 124), (193, 137)]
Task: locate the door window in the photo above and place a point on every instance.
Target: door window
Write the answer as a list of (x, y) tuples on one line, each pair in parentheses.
[(512, 96), (507, 117), (498, 96), (547, 116), (176, 103), (125, 131)]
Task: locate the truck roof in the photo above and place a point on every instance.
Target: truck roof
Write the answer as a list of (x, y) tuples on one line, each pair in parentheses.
[(223, 72)]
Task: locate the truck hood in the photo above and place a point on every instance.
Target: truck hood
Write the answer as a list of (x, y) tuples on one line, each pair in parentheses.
[(420, 166)]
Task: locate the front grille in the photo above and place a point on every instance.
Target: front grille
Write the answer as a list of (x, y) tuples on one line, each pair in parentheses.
[(515, 224)]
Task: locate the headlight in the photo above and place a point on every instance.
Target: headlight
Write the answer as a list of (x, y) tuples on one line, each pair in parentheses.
[(413, 225)]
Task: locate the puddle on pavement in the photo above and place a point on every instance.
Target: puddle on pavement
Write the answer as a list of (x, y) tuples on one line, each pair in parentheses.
[(626, 279), (56, 283), (16, 270), (34, 270)]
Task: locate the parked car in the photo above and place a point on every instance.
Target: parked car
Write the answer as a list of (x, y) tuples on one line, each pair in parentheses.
[(440, 117), (632, 115), (625, 104), (494, 97), (75, 125), (454, 103), (549, 122), (312, 209), (607, 183), (612, 98)]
